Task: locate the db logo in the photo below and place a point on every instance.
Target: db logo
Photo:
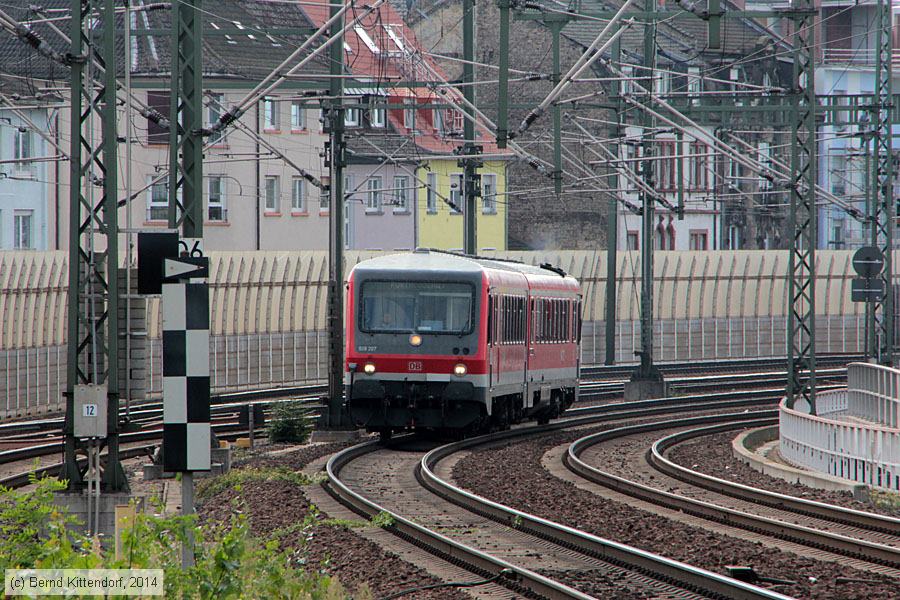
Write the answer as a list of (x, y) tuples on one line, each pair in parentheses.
[(415, 365)]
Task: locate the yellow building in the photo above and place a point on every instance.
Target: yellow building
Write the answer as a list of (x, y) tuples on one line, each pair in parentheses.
[(440, 226)]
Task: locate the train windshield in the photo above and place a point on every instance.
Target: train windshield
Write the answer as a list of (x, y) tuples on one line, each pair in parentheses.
[(423, 306)]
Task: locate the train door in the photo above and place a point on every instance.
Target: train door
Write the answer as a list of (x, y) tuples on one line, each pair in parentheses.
[(492, 339), (529, 350)]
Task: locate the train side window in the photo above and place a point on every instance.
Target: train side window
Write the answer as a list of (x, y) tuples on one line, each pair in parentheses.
[(502, 323), (522, 317), (505, 334)]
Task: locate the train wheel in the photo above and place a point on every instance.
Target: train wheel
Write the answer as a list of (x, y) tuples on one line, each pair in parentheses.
[(384, 435)]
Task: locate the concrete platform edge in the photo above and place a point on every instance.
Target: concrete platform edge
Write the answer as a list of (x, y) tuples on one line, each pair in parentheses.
[(760, 437)]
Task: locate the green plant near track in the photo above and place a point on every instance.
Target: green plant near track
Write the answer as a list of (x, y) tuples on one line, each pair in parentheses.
[(230, 562), (209, 488), (886, 500), (382, 519), (290, 422)]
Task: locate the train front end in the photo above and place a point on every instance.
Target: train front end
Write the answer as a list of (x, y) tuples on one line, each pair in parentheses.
[(414, 358)]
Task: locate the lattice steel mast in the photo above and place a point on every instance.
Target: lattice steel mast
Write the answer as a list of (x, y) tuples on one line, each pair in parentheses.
[(883, 226), (93, 325), (186, 121), (803, 214)]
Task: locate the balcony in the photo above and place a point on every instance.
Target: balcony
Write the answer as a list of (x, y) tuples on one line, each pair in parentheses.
[(861, 57)]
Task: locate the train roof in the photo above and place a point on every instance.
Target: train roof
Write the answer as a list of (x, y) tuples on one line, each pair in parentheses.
[(436, 260)]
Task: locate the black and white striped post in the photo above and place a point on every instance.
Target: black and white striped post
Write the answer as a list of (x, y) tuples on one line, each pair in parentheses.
[(186, 422)]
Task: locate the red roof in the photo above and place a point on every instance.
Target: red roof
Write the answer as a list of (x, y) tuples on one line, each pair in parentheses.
[(384, 49)]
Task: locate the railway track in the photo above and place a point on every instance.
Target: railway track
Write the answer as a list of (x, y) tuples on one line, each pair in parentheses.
[(595, 556), (867, 539), (600, 382), (487, 537)]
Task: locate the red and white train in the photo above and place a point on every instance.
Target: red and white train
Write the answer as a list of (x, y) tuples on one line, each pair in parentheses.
[(452, 343)]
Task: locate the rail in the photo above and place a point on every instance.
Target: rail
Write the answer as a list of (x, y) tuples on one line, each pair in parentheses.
[(853, 434)]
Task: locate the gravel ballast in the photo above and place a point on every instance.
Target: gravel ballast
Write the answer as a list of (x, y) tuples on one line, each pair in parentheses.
[(513, 475), (712, 455), (333, 548)]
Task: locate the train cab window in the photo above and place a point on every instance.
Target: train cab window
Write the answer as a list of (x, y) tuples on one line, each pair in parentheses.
[(424, 306)]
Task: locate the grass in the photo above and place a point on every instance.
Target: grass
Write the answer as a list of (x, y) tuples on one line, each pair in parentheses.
[(235, 478)]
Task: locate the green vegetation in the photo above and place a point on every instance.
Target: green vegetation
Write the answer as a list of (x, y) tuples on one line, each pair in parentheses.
[(383, 520), (884, 499), (230, 562), (234, 479), (290, 422)]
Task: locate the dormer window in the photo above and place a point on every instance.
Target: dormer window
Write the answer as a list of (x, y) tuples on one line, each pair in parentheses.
[(409, 113), (377, 116)]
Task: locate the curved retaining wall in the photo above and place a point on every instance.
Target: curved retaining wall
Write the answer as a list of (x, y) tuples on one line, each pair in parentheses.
[(842, 439)]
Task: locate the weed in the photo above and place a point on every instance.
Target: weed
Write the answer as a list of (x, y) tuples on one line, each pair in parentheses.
[(290, 422)]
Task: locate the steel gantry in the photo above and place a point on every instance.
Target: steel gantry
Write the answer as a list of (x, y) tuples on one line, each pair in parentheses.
[(93, 324)]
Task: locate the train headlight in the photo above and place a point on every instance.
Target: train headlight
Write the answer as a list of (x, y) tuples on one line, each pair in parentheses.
[(415, 339), (459, 370), (369, 368)]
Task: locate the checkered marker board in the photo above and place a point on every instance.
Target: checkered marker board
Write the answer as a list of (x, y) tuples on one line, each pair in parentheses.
[(186, 428)]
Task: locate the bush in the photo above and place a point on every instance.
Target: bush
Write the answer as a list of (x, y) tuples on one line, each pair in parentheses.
[(230, 562), (291, 422)]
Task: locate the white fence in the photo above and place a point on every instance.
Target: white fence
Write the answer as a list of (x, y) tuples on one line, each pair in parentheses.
[(832, 442), (874, 393)]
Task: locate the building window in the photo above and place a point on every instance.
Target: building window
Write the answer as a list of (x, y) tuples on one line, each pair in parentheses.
[(665, 167), (373, 197), (409, 113), (158, 201), (158, 101), (324, 201), (298, 195), (348, 214), (214, 108), (698, 171), (272, 198), (734, 76), (401, 193), (734, 237), (489, 194), (351, 117), (348, 190), (438, 117), (431, 193), (627, 85), (215, 203), (298, 117), (456, 195), (663, 83), (698, 240), (24, 148), (23, 230), (632, 240), (694, 84), (764, 156), (270, 114), (377, 116)]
